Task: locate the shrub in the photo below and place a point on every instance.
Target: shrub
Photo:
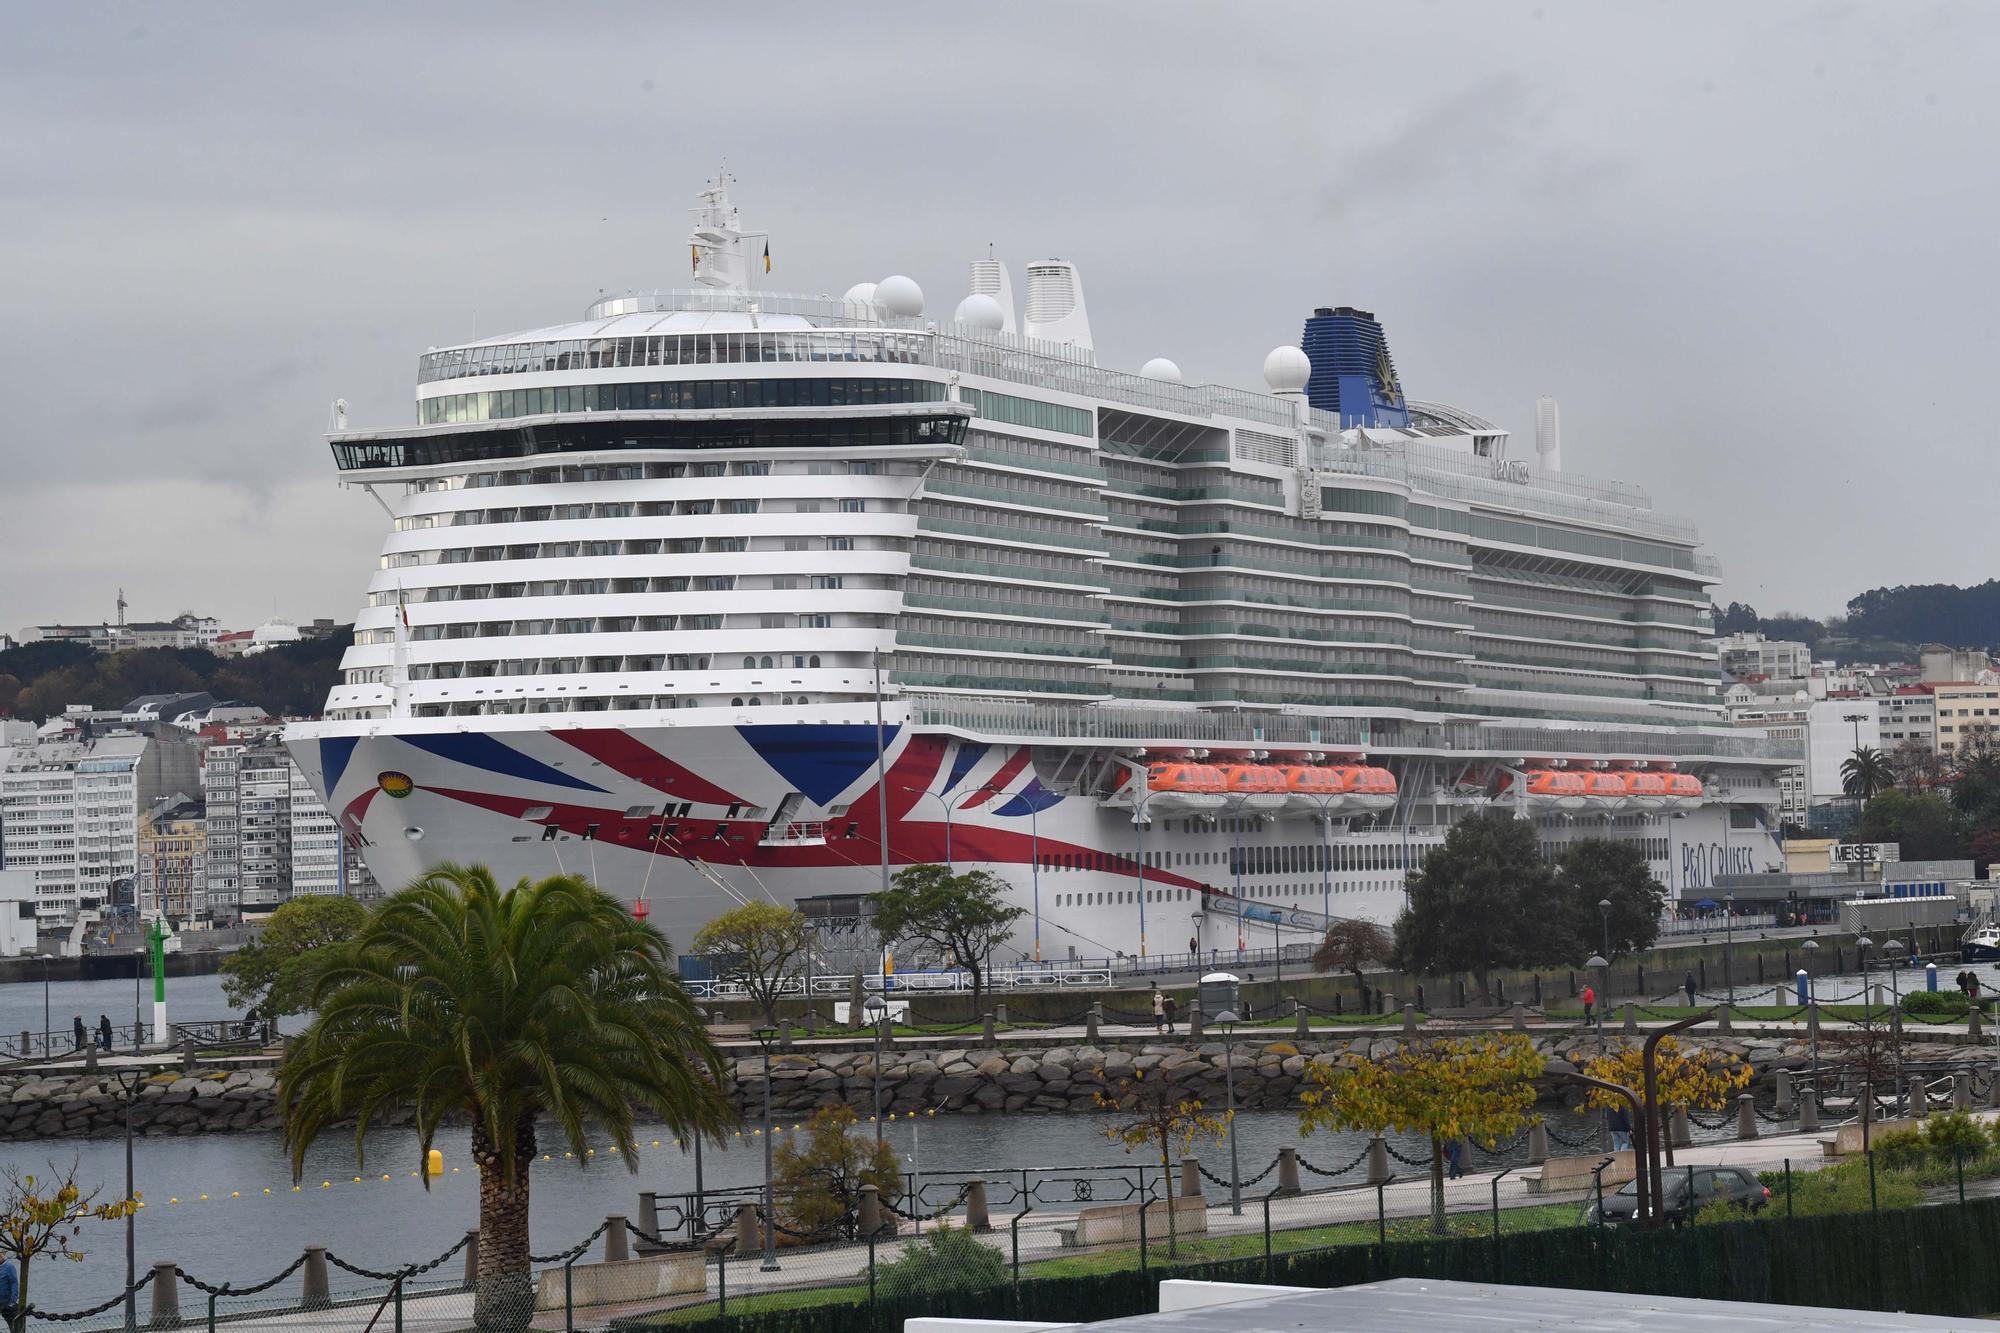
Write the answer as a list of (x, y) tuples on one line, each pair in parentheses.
[(1952, 1133), (1948, 1002), (1844, 1189), (1901, 1149), (948, 1259)]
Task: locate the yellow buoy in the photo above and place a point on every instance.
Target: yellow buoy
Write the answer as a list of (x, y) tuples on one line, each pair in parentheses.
[(236, 1194), (454, 1171), (267, 1189), (173, 1200), (434, 1162), (326, 1184), (204, 1198)]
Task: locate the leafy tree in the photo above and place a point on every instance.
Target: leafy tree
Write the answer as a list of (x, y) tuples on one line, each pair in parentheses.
[(1160, 1118), (45, 1216), (1595, 870), (963, 916), (273, 975), (948, 1259), (543, 1002), (1915, 767), (289, 680), (757, 944), (819, 1181), (1865, 773), (1484, 899), (1694, 1077), (1443, 1088), (1927, 828), (1351, 945)]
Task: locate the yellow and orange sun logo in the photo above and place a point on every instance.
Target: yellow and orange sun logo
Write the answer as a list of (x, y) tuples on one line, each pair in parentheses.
[(397, 785)]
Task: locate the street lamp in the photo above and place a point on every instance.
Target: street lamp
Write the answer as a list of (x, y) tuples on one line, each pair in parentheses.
[(1227, 1021), (130, 1081), (875, 1009), (1604, 910), (1603, 966), (764, 1038), (1809, 948), (46, 1036), (1892, 951)]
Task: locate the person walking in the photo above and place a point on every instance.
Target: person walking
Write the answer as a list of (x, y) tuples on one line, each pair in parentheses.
[(1972, 986), (1619, 1122), (1194, 950), (1170, 1007), (76, 1026), (1687, 984), (1454, 1159), (1589, 1001), (104, 1033), (10, 1294), (1159, 1010)]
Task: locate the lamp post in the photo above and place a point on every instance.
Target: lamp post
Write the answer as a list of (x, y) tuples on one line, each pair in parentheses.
[(1227, 1021), (1729, 945), (764, 1038), (1890, 953), (1603, 966), (1809, 948), (130, 1081), (944, 805), (46, 1040), (1604, 910), (875, 1008)]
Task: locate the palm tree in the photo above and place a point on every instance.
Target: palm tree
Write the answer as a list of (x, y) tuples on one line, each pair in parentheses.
[(503, 1007), (1866, 773)]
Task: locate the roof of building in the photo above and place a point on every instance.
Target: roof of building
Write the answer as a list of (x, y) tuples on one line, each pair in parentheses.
[(1423, 1305)]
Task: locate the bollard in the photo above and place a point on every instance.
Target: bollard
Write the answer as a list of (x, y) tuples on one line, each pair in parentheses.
[(1679, 1132), (1809, 1113), (1194, 1022), (1631, 1016), (1974, 1028), (747, 1239), (1784, 1081), (976, 1215), (1961, 1091), (1538, 1143), (1388, 1001), (617, 1242), (1301, 1022), (1409, 1018), (1190, 1176), (649, 1215), (999, 1013), (314, 1294), (785, 1034), (870, 1211), (1920, 1103), (857, 1015), (1878, 995), (166, 1296), (1722, 1023), (1091, 1020), (472, 1257), (90, 1056), (187, 1055), (1993, 1088), (987, 1030), (1519, 1017), (1746, 1116), (1288, 1171), (1780, 999), (1378, 1160)]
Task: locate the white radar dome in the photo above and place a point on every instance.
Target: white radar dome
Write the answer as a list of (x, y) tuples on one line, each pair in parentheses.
[(1287, 369), (1159, 368), (900, 296), (861, 293), (980, 311)]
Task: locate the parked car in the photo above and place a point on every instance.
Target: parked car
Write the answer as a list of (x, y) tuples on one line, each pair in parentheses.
[(1733, 1184)]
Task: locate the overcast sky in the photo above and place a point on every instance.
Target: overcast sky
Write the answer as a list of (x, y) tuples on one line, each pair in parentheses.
[(1751, 248)]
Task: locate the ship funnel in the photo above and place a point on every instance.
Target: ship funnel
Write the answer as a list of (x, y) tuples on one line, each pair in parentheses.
[(1056, 311), (1548, 434), (990, 278)]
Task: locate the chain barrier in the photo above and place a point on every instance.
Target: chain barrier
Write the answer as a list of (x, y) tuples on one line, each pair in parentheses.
[(700, 1242), (408, 1271), (573, 1251), (1406, 1161), (1247, 1182), (921, 1216), (1499, 1150), (119, 1299), (1772, 1117), (1556, 1136), (1359, 1158), (228, 1289), (1696, 1118)]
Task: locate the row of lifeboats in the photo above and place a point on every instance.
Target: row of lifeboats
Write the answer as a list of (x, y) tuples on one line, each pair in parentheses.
[(1629, 788), (1324, 787)]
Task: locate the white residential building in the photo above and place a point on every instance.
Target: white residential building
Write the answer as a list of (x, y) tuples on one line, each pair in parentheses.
[(270, 836), (1752, 654)]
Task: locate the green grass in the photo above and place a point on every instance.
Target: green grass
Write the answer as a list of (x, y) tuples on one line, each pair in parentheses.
[(1742, 1013)]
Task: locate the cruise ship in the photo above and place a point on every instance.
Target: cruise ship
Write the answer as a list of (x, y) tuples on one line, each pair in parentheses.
[(724, 594)]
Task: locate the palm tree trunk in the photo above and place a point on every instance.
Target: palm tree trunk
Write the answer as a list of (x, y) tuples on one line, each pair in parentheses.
[(505, 1300)]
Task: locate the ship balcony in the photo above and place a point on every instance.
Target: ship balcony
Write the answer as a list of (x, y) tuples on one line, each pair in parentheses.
[(806, 833)]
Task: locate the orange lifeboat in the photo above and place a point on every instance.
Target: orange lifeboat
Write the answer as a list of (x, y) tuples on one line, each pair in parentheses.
[(1644, 789), (1684, 790), (1255, 786), (1602, 786), (1374, 788), (1184, 785), (1553, 787), (1311, 787)]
